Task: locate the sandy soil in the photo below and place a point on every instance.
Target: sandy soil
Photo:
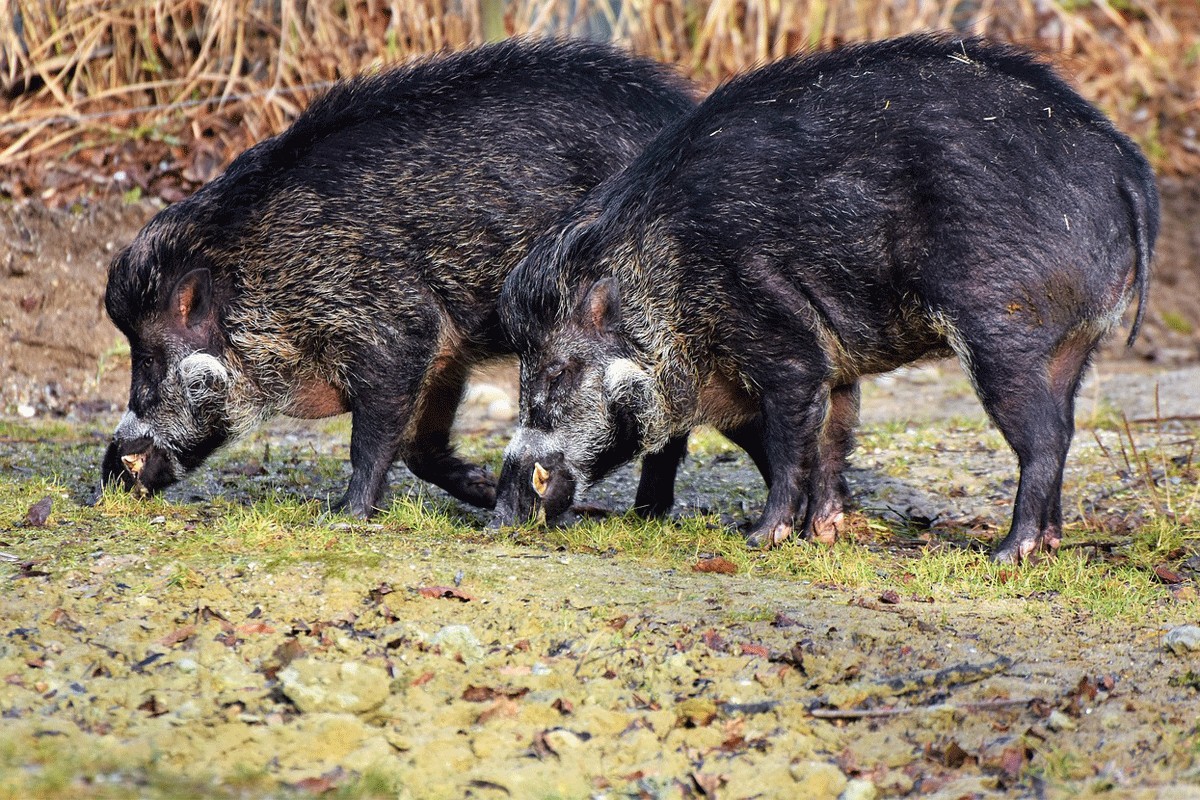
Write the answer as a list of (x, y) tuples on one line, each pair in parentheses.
[(563, 674), (141, 664)]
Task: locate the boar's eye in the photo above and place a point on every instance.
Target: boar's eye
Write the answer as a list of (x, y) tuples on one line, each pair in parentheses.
[(559, 376)]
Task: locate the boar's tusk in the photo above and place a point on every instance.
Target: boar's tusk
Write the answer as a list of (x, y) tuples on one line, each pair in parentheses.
[(134, 463), (541, 479)]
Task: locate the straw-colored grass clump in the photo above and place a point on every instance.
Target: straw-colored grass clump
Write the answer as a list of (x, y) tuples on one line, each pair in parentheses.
[(206, 77)]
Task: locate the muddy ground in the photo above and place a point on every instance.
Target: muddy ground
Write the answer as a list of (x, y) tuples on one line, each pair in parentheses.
[(230, 641)]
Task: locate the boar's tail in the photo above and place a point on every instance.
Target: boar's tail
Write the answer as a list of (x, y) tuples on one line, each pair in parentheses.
[(1145, 228)]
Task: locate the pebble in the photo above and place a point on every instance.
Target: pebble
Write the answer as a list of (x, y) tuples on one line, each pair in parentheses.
[(26, 411), (817, 779), (859, 789), (1183, 640), (346, 687), (1058, 721), (458, 640)]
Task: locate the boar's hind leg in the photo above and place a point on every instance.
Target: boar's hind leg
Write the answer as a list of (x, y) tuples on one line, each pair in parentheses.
[(1031, 398), (429, 454), (793, 412), (749, 437), (828, 492), (656, 487)]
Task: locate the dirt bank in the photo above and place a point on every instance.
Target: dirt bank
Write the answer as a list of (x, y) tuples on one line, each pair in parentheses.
[(59, 353)]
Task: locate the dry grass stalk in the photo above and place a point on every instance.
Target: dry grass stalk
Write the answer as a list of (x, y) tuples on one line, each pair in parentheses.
[(254, 65)]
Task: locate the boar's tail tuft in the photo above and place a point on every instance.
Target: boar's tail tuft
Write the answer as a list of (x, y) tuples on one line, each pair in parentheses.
[(1144, 210)]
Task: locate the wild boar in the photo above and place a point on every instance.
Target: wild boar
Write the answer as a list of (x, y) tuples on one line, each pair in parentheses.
[(352, 263), (821, 219)]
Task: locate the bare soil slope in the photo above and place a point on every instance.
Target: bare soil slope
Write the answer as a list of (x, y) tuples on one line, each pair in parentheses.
[(59, 354)]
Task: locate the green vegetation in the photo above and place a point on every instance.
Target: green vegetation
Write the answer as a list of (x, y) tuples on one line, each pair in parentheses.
[(258, 507), (598, 640)]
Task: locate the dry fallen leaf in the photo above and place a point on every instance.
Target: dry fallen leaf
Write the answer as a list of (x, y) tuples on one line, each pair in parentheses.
[(482, 694), (178, 635), (39, 512), (708, 784), (1163, 573), (448, 592), (716, 564), (502, 707)]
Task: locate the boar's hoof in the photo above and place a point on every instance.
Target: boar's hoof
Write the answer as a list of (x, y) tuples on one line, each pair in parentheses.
[(827, 527), (764, 538), (1014, 550), (345, 506), (479, 488)]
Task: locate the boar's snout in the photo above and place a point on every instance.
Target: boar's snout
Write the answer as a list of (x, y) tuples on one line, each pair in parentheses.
[(137, 465), (533, 489)]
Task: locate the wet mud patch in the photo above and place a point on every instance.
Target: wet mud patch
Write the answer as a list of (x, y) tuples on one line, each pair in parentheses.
[(229, 640)]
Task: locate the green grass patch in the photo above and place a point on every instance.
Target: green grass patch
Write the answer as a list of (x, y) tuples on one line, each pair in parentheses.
[(1177, 322), (270, 519)]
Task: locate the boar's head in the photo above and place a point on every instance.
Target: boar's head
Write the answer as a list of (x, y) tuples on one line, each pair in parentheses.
[(588, 405), (162, 295)]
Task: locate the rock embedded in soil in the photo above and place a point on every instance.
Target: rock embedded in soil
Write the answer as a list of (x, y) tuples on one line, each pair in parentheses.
[(859, 789), (348, 687), (458, 640), (1183, 640), (817, 779)]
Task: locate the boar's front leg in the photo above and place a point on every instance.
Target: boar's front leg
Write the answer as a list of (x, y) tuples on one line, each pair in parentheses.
[(377, 426), (794, 406), (428, 452), (656, 486)]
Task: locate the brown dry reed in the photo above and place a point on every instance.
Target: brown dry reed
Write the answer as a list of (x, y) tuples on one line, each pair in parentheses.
[(79, 75)]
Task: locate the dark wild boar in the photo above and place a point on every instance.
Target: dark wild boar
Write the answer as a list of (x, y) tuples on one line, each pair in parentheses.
[(353, 262), (815, 221)]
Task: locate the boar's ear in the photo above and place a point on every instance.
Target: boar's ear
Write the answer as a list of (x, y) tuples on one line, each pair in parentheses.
[(603, 305), (191, 301)]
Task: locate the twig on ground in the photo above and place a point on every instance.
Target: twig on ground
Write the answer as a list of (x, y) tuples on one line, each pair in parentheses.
[(863, 713)]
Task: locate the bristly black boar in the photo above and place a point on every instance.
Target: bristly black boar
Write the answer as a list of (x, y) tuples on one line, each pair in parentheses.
[(352, 263), (822, 219)]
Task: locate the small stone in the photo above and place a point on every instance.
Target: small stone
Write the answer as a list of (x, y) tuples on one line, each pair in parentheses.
[(458, 640), (817, 779), (1058, 721), (339, 688), (1183, 640), (859, 789), (26, 411), (561, 739), (501, 410)]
